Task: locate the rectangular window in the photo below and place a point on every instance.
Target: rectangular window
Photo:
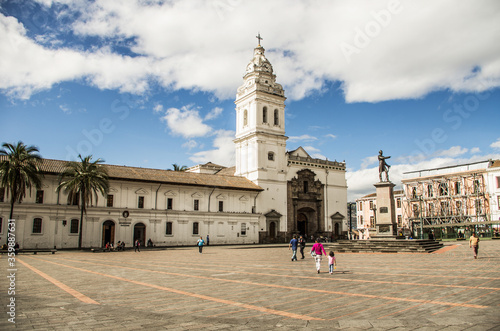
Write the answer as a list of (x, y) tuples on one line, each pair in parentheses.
[(306, 186), (498, 182), (195, 228), (109, 200), (398, 203), (477, 186), (443, 189), (372, 222), (168, 230), (457, 188), (2, 194), (37, 225), (196, 204), (498, 203), (415, 210), (431, 209), (360, 221), (429, 191), (361, 206), (170, 203), (243, 229), (400, 221), (140, 203), (221, 205), (1, 223), (74, 226), (39, 196), (371, 204)]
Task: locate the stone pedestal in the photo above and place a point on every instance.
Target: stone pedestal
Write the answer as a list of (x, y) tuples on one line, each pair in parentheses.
[(386, 210)]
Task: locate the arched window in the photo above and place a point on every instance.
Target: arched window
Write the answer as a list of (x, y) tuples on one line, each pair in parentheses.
[(264, 115), (37, 225), (245, 117), (276, 117)]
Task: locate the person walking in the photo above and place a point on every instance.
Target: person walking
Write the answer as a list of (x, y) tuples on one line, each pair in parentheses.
[(302, 245), (332, 261), (200, 243), (317, 250), (293, 245), (474, 244), (137, 245)]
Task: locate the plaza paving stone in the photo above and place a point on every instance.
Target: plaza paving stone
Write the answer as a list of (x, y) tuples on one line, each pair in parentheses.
[(254, 288)]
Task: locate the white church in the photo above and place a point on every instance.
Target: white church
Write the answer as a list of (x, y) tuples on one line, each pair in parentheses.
[(270, 195)]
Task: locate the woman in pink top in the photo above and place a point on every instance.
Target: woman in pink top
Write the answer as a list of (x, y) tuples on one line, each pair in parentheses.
[(318, 251)]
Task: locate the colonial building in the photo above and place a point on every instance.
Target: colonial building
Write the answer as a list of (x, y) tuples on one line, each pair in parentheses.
[(268, 196), (454, 201)]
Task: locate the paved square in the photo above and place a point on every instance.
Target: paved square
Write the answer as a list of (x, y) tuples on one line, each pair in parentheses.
[(254, 287)]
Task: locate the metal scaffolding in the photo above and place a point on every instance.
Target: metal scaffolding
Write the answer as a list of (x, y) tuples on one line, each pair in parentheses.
[(446, 201)]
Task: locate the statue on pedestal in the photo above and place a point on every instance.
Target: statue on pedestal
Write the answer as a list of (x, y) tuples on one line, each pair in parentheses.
[(383, 166)]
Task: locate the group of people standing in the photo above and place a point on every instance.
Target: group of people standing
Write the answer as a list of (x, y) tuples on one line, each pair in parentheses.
[(317, 252)]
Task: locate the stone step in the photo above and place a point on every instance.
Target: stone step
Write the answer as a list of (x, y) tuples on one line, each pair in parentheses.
[(386, 246)]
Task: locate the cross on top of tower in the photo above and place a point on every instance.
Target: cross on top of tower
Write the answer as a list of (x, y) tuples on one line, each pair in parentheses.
[(259, 38)]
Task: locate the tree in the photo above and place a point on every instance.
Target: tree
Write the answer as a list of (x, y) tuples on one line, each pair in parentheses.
[(84, 180), (179, 168), (19, 171)]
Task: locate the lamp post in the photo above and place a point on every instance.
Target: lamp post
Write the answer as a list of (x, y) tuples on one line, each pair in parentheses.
[(351, 207)]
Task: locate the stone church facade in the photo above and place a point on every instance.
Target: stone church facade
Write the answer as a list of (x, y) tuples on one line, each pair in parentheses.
[(268, 196)]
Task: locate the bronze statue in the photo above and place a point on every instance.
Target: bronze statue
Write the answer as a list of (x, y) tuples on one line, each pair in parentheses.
[(383, 166)]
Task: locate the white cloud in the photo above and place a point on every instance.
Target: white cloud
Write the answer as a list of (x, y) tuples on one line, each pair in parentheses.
[(332, 136), (417, 48), (190, 144), (496, 144), (214, 113), (451, 152), (185, 122), (475, 150), (158, 108), (304, 137), (223, 152), (65, 109)]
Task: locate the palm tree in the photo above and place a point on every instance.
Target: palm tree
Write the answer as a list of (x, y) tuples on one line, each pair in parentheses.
[(19, 171), (82, 181), (179, 168)]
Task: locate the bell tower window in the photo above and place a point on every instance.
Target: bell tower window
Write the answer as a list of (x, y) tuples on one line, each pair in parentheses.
[(264, 115), (276, 117)]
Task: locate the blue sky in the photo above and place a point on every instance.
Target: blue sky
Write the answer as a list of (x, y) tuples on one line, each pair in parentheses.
[(152, 83)]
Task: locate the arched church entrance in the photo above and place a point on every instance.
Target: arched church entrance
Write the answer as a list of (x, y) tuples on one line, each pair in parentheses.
[(302, 224), (108, 232), (140, 233)]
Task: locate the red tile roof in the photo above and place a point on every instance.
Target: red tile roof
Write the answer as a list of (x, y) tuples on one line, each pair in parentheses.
[(50, 166)]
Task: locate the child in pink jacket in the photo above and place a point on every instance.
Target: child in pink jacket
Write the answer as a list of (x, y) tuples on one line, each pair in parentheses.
[(332, 261)]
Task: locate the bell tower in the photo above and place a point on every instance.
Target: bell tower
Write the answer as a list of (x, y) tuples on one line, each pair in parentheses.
[(260, 123)]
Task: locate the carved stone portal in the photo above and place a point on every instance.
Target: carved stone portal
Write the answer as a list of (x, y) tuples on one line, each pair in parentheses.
[(305, 203)]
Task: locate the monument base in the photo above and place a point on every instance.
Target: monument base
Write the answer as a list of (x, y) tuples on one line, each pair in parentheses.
[(386, 212)]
